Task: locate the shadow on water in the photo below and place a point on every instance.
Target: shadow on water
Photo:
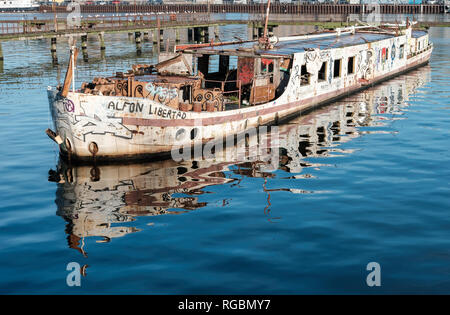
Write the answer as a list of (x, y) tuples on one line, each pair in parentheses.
[(97, 201)]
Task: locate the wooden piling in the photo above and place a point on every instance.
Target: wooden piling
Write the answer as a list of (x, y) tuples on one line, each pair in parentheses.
[(101, 37), (177, 35), (158, 33), (84, 47), (158, 26), (138, 40), (203, 34), (154, 37), (1, 52), (53, 50), (254, 31)]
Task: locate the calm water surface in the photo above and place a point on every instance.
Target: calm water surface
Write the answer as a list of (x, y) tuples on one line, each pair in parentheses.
[(364, 179)]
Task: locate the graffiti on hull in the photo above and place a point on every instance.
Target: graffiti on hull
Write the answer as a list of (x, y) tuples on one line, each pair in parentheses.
[(94, 125), (90, 120)]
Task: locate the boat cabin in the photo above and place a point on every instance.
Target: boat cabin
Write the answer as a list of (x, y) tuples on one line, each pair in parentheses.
[(202, 78)]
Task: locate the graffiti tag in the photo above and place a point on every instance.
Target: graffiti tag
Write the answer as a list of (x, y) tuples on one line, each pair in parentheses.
[(162, 94), (68, 105)]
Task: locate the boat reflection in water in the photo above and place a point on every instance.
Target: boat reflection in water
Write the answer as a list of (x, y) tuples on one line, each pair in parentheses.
[(98, 200)]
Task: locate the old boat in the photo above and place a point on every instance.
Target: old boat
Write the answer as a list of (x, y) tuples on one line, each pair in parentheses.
[(97, 200), (211, 91)]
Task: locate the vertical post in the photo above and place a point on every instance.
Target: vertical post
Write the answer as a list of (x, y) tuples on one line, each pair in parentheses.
[(70, 72), (240, 86), (1, 58), (101, 37), (53, 50), (216, 31), (72, 59), (137, 38), (202, 34), (177, 35), (154, 37), (196, 35), (55, 21), (254, 31), (84, 47), (167, 44), (206, 30), (158, 26)]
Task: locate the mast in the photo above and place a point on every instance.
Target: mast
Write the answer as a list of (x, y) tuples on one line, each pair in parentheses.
[(267, 19), (265, 39)]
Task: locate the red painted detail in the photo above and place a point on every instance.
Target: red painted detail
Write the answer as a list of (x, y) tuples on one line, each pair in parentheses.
[(245, 70)]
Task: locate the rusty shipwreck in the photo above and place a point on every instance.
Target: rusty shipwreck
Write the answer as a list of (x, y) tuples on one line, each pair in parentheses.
[(208, 91)]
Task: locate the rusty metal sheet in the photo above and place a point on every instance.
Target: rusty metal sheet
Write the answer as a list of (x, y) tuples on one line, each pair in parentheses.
[(246, 70), (262, 94)]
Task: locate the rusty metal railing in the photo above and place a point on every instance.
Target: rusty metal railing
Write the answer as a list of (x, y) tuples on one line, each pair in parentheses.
[(222, 88)]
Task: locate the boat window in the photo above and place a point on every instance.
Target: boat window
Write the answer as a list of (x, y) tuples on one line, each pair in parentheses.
[(322, 72), (305, 76), (337, 68), (351, 65), (401, 51)]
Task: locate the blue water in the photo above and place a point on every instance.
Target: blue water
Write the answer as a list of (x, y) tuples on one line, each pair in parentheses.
[(365, 179)]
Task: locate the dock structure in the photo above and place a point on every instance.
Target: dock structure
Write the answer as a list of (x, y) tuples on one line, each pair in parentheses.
[(193, 19), (276, 8), (138, 29)]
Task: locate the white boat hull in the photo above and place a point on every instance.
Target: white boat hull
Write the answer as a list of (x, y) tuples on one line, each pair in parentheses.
[(125, 128)]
